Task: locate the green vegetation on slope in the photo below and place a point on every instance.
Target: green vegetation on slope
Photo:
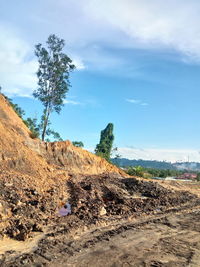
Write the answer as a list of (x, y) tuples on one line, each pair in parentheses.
[(32, 123), (78, 143)]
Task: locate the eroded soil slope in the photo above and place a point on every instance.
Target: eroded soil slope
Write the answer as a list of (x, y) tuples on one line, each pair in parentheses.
[(19, 152)]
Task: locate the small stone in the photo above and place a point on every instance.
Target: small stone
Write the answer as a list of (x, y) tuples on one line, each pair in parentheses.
[(102, 211)]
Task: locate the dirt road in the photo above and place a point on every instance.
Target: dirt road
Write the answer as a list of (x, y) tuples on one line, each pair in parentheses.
[(171, 239)]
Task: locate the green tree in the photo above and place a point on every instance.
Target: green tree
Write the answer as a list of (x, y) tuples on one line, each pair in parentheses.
[(137, 171), (54, 134), (198, 176), (78, 143), (53, 77), (33, 126), (104, 148)]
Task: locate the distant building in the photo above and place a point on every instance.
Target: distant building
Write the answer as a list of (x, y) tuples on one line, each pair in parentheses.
[(187, 176)]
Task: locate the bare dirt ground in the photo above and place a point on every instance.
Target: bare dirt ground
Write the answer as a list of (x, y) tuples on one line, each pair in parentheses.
[(145, 225), (172, 240), (169, 240)]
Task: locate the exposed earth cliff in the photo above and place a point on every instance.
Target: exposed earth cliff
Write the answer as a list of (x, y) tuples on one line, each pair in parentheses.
[(20, 152)]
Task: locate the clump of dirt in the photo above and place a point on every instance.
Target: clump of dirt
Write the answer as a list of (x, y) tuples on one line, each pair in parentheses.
[(114, 196), (26, 209)]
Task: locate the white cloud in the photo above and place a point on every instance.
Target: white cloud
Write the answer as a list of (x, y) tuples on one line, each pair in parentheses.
[(19, 65), (172, 155), (94, 29), (173, 23), (78, 63), (134, 101), (17, 69), (137, 102), (71, 102)]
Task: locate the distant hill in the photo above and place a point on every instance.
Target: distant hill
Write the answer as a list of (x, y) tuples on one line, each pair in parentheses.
[(195, 166), (163, 165), (123, 162)]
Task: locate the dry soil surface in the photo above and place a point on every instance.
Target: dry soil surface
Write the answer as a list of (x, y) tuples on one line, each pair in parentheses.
[(170, 240)]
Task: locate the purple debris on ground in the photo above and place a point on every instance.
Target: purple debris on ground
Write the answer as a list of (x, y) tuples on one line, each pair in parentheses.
[(65, 210)]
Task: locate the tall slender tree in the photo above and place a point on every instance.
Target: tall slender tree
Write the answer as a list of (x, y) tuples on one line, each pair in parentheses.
[(53, 77), (104, 148)]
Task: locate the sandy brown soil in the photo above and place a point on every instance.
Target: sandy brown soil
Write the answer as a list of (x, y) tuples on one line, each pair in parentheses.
[(169, 240), (145, 225), (172, 240)]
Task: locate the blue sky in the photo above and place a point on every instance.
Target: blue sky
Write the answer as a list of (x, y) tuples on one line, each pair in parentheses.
[(138, 65)]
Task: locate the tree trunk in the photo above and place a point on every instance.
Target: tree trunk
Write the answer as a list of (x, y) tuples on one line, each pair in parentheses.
[(45, 125)]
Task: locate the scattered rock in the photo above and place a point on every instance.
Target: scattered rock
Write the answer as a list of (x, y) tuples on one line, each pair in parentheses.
[(102, 211)]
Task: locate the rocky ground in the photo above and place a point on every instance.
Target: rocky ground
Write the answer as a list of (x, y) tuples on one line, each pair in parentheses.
[(114, 222)]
